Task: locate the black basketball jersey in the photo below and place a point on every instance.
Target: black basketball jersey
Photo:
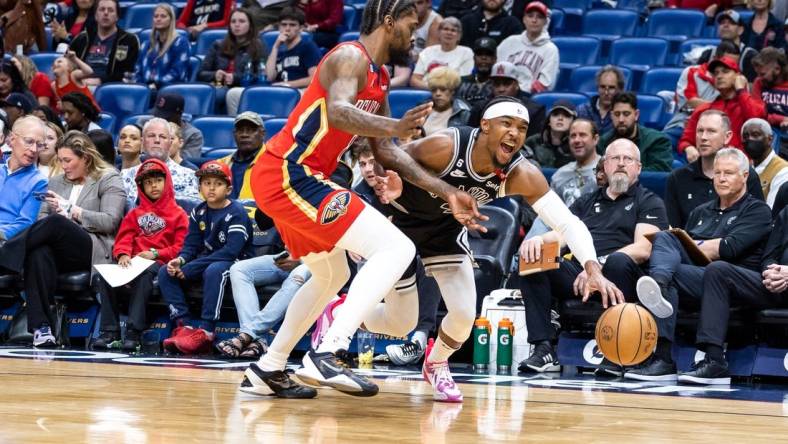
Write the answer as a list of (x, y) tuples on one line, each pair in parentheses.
[(417, 203)]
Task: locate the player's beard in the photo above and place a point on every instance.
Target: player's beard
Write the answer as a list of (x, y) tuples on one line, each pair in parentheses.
[(399, 56)]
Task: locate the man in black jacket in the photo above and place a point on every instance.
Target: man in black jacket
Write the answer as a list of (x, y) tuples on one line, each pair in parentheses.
[(109, 50), (491, 20)]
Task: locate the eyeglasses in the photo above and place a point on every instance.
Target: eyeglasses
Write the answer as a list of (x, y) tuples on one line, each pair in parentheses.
[(626, 160), (30, 143)]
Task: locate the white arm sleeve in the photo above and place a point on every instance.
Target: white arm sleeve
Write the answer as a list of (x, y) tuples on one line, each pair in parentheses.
[(552, 210)]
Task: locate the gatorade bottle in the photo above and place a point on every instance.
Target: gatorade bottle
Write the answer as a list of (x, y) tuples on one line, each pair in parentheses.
[(504, 354), (481, 344)]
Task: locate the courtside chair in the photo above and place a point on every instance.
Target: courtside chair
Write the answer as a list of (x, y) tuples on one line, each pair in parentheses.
[(198, 98)]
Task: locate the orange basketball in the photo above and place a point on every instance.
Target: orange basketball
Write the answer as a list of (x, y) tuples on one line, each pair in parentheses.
[(626, 334)]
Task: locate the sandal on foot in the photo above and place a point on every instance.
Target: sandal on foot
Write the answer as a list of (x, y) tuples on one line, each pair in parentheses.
[(232, 347), (255, 349)]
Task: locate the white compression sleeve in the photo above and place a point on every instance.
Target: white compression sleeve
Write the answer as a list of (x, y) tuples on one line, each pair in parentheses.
[(557, 216)]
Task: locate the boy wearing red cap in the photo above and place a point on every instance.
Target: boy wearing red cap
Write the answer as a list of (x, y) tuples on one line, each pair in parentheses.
[(220, 233), (153, 230)]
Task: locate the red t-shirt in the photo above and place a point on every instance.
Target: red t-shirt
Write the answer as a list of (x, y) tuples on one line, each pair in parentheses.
[(41, 86)]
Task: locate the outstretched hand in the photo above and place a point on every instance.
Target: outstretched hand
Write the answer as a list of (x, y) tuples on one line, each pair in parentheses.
[(413, 119), (466, 210), (388, 187), (591, 280)]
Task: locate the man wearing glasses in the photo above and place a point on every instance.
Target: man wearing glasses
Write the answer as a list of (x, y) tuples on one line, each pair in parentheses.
[(20, 180), (609, 82), (618, 217)]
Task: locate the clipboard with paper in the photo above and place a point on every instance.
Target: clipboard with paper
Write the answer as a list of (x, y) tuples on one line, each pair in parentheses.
[(697, 256)]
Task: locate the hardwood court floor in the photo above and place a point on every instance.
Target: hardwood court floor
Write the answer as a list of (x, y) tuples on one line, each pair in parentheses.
[(71, 402)]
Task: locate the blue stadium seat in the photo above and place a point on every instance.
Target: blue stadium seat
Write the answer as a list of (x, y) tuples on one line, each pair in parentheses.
[(107, 122), (44, 61), (198, 97), (639, 53), (578, 50), (269, 101), (348, 36), (654, 181), (194, 68), (548, 98), (273, 126), (652, 111), (660, 79), (217, 131), (689, 45), (401, 100), (135, 119), (610, 24), (269, 37), (206, 39), (583, 79), (350, 19), (218, 153), (122, 100), (138, 16), (144, 35), (557, 18), (573, 7), (675, 25)]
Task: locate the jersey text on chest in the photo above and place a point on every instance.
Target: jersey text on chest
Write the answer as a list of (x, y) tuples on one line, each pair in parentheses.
[(370, 106)]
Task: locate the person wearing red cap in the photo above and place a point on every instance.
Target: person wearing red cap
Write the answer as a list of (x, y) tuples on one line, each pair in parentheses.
[(532, 52), (734, 100), (220, 233), (154, 230)]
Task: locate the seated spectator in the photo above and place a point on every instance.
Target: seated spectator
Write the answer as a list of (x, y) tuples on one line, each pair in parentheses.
[(79, 112), (169, 106), (84, 206), (37, 82), (104, 144), (47, 158), (447, 110), (446, 53), (532, 52), (292, 61), (129, 146), (164, 58), (656, 152), (46, 114), (696, 87), (16, 105), (235, 61), (427, 32), (108, 49), (609, 82), (24, 26), (265, 14), (578, 178), (618, 217), (249, 134), (551, 146), (691, 185), (69, 73), (175, 148), (756, 134), (726, 285), (732, 227), (199, 15), (476, 88), (771, 86), (80, 16), (220, 233), (734, 101), (20, 180), (763, 29), (505, 83), (730, 26), (400, 75), (322, 18), (156, 140), (11, 81), (488, 20), (362, 153), (154, 230)]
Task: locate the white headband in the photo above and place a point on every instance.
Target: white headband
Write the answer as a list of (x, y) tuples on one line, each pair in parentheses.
[(507, 109)]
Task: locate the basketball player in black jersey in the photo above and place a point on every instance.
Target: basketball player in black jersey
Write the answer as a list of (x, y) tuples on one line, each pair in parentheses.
[(486, 163)]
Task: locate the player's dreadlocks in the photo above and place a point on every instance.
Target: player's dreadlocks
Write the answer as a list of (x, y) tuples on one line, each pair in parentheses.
[(377, 10)]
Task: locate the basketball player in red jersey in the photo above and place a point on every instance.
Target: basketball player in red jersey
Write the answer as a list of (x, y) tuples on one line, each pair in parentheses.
[(319, 221)]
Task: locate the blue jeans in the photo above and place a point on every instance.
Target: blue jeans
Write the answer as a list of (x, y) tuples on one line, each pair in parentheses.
[(245, 275)]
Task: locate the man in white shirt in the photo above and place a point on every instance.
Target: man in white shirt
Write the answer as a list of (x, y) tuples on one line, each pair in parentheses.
[(757, 137), (578, 177), (447, 52)]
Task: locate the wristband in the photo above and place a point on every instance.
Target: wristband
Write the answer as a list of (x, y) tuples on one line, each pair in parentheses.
[(181, 260), (155, 253)]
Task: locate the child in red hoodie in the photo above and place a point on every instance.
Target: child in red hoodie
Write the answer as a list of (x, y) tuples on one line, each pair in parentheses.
[(154, 230)]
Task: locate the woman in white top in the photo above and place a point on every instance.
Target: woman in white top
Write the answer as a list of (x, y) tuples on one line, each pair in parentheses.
[(447, 53)]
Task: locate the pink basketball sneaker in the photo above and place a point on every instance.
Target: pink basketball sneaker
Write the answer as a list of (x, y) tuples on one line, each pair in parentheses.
[(324, 321), (439, 376)]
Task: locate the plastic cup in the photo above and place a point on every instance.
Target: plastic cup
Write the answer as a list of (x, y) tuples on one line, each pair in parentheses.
[(366, 347)]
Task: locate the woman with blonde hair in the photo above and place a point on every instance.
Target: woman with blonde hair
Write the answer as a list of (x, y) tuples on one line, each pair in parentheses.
[(47, 161), (447, 110), (38, 82), (175, 147), (76, 228), (165, 57)]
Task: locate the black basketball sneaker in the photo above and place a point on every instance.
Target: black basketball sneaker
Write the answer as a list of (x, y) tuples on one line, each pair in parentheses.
[(325, 369), (277, 383)]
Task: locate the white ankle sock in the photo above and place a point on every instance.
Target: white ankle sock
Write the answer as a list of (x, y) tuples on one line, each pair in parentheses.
[(440, 351)]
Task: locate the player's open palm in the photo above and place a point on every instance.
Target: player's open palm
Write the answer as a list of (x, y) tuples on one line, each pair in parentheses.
[(588, 283), (388, 187), (466, 210)]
